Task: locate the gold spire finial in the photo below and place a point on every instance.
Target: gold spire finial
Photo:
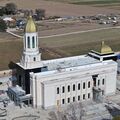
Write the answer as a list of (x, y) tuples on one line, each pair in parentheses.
[(103, 43), (105, 49), (30, 26)]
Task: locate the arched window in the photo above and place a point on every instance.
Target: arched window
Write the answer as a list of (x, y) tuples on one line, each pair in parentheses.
[(68, 88), (33, 42), (89, 84), (28, 42), (73, 87)]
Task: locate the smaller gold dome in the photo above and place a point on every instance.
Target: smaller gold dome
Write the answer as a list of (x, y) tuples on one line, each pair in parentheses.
[(30, 26), (105, 49)]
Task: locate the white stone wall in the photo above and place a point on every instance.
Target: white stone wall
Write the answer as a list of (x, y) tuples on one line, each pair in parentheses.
[(46, 84)]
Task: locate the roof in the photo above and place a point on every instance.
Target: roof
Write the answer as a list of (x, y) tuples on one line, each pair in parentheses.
[(5, 79), (17, 90), (8, 19), (30, 26), (69, 62), (83, 71)]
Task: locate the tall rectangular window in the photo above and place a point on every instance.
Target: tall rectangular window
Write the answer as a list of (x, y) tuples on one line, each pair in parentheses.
[(78, 97), (79, 86), (63, 89), (25, 41), (84, 85), (68, 100), (94, 81), (83, 96), (73, 99), (63, 101), (88, 95), (33, 42), (103, 81), (98, 82), (36, 42), (58, 90), (20, 81), (28, 42)]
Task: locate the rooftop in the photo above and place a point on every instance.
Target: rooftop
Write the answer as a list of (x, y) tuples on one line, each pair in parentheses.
[(68, 62)]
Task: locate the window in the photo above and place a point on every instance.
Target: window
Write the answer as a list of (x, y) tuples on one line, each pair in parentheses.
[(20, 82), (68, 100), (88, 95), (68, 88), (63, 101), (73, 99), (102, 92), (33, 42), (63, 89), (58, 90), (34, 59), (89, 84), (78, 97), (103, 81), (28, 42), (98, 82), (25, 41), (94, 81), (73, 87), (36, 42), (83, 96), (84, 85), (79, 86)]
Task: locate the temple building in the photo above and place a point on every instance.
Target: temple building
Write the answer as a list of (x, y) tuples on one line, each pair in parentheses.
[(58, 82)]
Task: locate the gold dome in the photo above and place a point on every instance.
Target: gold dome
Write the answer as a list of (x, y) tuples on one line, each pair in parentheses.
[(105, 49), (30, 26)]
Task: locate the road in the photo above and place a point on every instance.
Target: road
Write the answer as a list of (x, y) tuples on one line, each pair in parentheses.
[(10, 31)]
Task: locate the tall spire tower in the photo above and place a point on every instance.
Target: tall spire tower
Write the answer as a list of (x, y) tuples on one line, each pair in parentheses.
[(31, 55)]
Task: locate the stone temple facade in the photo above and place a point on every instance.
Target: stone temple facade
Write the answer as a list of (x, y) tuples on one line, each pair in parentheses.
[(58, 82)]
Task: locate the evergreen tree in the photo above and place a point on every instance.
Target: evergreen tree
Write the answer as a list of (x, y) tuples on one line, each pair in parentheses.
[(3, 26), (10, 8)]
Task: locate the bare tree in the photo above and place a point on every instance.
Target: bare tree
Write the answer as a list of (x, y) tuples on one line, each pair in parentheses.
[(40, 14), (81, 111), (61, 116), (74, 111), (52, 115)]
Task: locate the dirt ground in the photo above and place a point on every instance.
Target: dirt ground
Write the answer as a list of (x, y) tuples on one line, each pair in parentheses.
[(61, 9), (55, 28)]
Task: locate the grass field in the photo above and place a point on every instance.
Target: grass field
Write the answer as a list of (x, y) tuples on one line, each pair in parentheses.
[(61, 46), (82, 43)]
